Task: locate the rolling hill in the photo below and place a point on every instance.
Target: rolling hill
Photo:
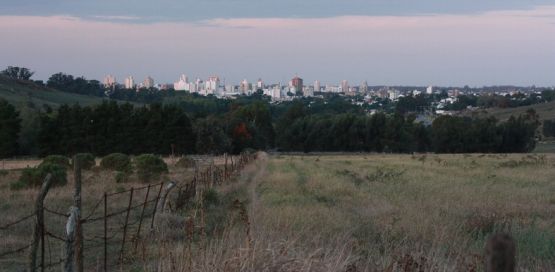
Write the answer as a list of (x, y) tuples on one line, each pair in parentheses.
[(546, 111), (29, 94)]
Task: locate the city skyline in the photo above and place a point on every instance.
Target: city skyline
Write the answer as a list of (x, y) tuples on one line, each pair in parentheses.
[(499, 43)]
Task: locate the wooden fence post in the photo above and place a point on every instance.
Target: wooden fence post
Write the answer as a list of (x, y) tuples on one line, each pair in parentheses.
[(78, 226), (169, 187), (38, 232), (125, 225), (141, 218), (105, 232), (156, 206), (69, 265)]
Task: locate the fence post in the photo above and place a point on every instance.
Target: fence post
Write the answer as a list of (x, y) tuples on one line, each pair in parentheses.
[(225, 166), (39, 226), (125, 225), (169, 187), (142, 215), (78, 226), (105, 232), (156, 206), (70, 239)]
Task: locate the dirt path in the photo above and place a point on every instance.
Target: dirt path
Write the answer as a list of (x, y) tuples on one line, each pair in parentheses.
[(256, 179)]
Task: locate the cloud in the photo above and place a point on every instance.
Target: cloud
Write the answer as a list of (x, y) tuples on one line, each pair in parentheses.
[(500, 47), (116, 17)]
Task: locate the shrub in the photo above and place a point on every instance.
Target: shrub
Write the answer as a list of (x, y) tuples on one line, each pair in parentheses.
[(117, 162), (87, 160), (33, 177), (121, 177), (185, 162), (3, 172), (150, 167), (57, 159)]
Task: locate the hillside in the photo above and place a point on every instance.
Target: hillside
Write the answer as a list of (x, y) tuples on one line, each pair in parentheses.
[(24, 93), (545, 111)]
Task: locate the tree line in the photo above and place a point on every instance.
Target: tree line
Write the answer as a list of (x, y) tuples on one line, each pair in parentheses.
[(255, 124)]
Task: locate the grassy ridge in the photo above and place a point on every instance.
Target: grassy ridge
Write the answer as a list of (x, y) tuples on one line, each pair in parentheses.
[(546, 111), (24, 94)]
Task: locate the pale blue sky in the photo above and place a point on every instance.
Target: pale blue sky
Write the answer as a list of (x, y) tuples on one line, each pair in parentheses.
[(389, 42)]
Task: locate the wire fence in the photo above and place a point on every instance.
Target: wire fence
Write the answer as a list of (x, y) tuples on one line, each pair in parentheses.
[(111, 231)]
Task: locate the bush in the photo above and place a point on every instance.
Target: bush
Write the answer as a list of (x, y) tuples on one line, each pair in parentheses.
[(150, 167), (3, 172), (122, 177), (87, 160), (117, 162), (57, 159), (33, 177), (185, 162)]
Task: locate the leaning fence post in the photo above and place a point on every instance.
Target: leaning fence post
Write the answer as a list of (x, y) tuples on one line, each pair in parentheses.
[(38, 232), (142, 215), (156, 206), (125, 225), (169, 187), (78, 226)]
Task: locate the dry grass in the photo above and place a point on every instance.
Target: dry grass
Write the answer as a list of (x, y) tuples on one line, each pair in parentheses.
[(385, 213), (350, 213)]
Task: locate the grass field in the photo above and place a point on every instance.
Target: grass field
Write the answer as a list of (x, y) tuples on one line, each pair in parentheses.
[(350, 213), (546, 111), (391, 213)]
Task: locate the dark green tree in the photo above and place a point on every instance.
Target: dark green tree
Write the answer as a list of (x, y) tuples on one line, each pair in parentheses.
[(17, 73), (10, 124)]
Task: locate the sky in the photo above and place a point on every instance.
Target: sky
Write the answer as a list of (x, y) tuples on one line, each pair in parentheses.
[(385, 42)]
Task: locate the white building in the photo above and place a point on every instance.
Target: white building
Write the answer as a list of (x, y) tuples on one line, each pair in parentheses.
[(344, 86), (259, 84), (430, 90), (148, 82), (109, 81), (364, 87), (212, 85), (129, 82), (316, 86), (308, 91), (244, 87), (182, 84)]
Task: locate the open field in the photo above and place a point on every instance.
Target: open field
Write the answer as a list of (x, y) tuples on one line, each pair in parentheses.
[(390, 213), (342, 213)]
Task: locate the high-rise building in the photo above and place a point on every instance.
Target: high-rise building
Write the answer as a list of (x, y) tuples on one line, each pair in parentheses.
[(181, 84), (259, 84), (364, 87), (308, 91), (129, 82), (109, 81), (344, 86), (316, 86), (212, 85), (148, 82), (297, 83), (430, 90), (244, 87)]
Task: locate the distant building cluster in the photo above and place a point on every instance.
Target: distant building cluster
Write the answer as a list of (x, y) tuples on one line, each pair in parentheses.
[(296, 87)]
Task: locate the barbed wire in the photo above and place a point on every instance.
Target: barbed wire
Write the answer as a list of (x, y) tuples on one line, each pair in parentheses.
[(14, 251), (17, 221)]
